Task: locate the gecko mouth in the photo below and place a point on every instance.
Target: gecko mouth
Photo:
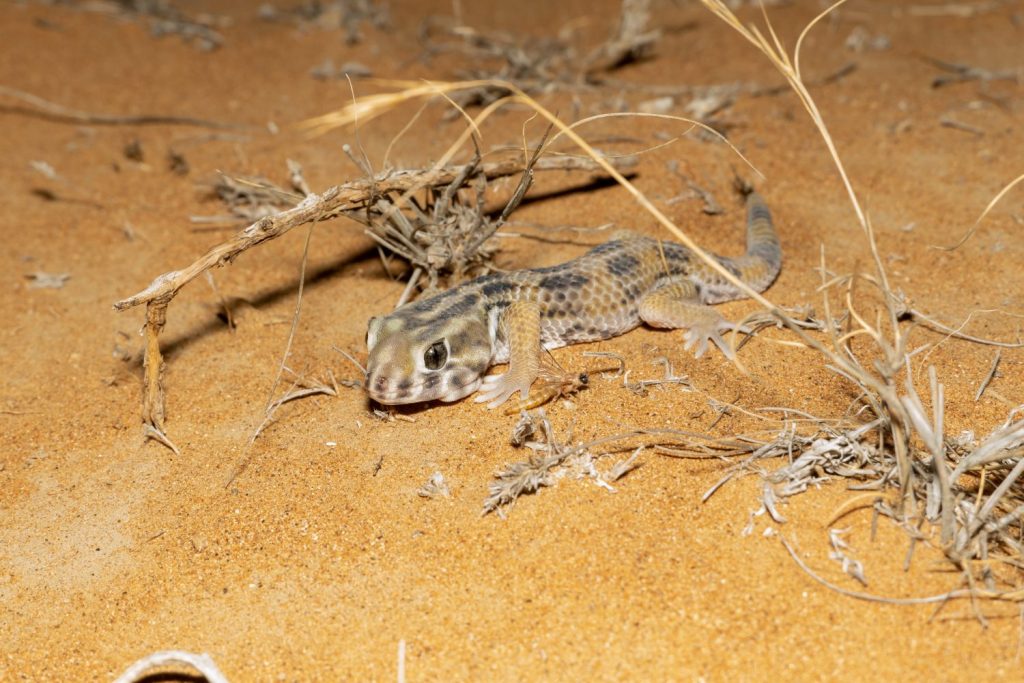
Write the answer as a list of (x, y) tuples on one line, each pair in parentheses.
[(432, 388)]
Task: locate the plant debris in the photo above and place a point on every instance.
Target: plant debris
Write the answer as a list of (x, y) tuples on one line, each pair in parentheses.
[(327, 71), (530, 475), (961, 73), (44, 108), (347, 15), (164, 18), (250, 198), (539, 65), (552, 460), (445, 232), (436, 487), (41, 280), (890, 443)]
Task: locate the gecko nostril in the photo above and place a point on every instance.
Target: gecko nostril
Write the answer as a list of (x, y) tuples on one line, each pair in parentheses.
[(380, 383)]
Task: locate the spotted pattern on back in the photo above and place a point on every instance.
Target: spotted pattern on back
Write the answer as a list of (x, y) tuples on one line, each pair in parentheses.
[(595, 296)]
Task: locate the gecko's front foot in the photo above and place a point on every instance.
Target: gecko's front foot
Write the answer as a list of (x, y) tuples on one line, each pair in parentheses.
[(496, 389)]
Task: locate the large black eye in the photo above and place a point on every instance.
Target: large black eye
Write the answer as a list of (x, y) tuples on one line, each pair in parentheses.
[(436, 355)]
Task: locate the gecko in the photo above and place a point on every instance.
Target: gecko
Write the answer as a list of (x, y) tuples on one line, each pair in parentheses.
[(441, 348)]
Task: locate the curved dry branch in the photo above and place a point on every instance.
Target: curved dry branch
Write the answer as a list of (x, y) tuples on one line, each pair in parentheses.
[(347, 197)]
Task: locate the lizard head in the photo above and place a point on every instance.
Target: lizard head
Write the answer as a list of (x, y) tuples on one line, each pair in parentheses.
[(421, 356)]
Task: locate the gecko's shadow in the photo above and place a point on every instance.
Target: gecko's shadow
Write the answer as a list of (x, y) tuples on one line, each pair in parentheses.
[(170, 346), (594, 185)]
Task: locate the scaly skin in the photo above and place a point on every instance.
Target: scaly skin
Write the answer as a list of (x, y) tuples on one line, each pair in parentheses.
[(442, 347)]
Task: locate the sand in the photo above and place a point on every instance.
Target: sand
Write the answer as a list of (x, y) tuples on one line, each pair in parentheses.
[(320, 558)]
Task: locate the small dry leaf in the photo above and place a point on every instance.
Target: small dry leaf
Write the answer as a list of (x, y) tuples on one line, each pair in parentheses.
[(41, 280), (436, 487)]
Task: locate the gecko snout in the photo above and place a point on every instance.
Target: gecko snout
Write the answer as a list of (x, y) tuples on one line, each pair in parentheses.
[(388, 389), (379, 384)]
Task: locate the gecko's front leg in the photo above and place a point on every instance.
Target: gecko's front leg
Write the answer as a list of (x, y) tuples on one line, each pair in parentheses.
[(521, 323)]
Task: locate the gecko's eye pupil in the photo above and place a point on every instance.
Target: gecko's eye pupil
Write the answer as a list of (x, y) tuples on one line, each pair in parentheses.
[(435, 355)]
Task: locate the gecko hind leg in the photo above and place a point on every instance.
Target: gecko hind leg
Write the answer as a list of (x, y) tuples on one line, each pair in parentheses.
[(677, 305), (521, 323)]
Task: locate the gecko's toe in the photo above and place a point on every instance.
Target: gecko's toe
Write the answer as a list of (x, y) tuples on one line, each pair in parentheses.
[(698, 336), (496, 389)]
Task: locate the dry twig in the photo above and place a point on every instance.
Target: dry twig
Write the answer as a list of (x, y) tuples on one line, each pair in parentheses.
[(41, 107)]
